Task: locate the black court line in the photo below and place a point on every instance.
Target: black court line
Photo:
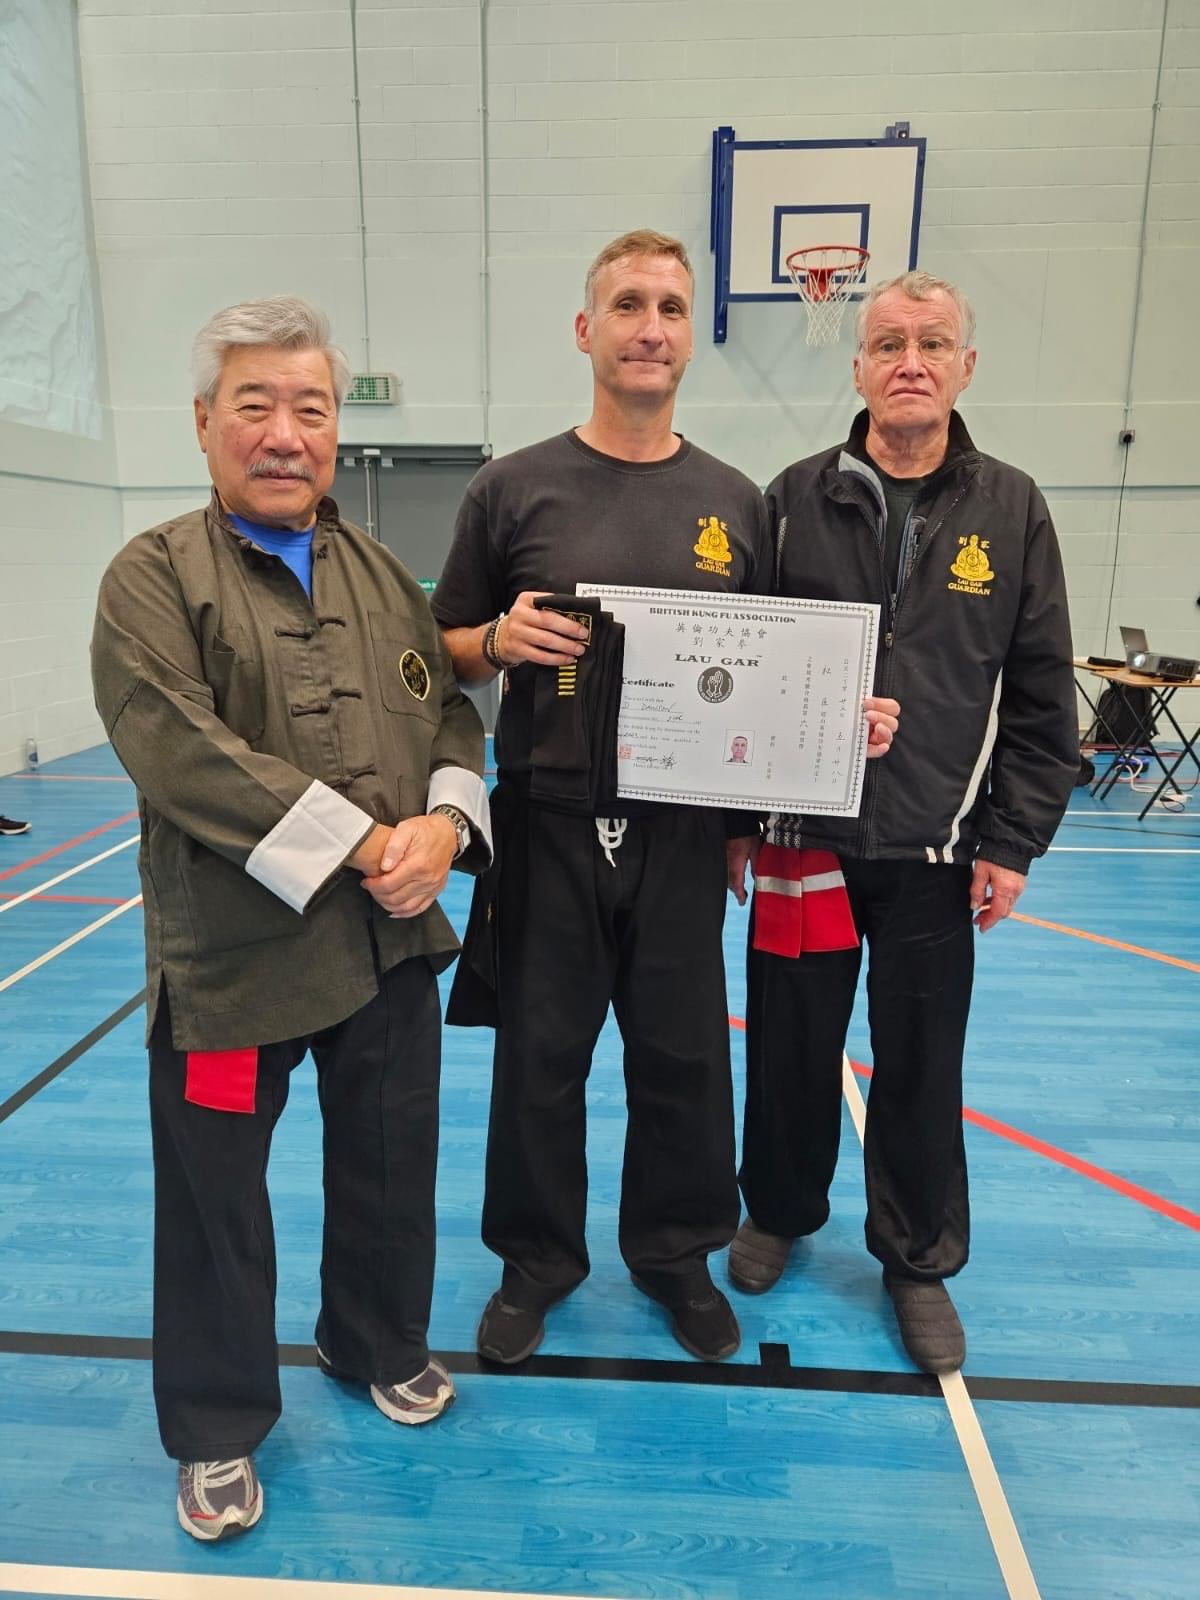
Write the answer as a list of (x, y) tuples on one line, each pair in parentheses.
[(81, 1047), (773, 1370)]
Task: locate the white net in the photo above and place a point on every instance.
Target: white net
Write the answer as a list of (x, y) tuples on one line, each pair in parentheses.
[(826, 276)]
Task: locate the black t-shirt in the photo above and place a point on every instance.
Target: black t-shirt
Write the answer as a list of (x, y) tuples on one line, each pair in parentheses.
[(559, 513), (899, 495)]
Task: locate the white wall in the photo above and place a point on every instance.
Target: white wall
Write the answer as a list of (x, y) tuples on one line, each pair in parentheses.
[(222, 164), (59, 507)]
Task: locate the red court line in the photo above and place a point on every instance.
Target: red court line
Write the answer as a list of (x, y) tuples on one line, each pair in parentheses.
[(36, 861), (74, 899), (1064, 1158)]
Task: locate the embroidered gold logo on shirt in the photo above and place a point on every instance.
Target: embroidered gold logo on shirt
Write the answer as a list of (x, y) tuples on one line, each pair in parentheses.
[(713, 546), (414, 674), (971, 566)]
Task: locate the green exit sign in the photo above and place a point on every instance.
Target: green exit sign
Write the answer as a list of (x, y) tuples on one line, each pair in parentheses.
[(428, 584)]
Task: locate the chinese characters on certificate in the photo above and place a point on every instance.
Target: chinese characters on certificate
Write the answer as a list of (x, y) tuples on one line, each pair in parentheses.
[(742, 701)]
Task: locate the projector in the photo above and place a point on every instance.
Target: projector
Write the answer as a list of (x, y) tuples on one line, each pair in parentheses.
[(1176, 669)]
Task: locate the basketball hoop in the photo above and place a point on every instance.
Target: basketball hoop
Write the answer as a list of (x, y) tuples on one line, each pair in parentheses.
[(826, 275)]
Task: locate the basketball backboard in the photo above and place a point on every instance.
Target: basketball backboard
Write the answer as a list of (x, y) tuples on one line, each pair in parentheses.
[(773, 196)]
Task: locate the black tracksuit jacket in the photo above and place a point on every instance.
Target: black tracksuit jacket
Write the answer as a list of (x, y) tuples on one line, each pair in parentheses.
[(976, 646)]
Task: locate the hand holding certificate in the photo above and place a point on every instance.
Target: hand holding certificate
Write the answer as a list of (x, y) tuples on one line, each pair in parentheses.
[(741, 700)]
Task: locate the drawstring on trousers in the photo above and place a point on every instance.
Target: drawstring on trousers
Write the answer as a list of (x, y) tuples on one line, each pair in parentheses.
[(610, 831)]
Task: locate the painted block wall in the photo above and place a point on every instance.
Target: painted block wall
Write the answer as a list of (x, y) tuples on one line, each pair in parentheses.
[(56, 538), (223, 165), (59, 505)]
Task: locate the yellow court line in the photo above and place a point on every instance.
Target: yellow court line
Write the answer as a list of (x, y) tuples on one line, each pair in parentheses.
[(1113, 944)]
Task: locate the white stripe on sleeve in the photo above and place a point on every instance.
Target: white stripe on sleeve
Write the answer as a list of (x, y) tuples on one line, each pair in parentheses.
[(455, 786)]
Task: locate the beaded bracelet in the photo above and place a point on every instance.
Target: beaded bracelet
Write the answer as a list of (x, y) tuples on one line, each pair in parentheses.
[(491, 653)]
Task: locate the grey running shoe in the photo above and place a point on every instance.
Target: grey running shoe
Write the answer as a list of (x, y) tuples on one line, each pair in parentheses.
[(420, 1399), (509, 1334), (928, 1323), (757, 1258), (217, 1498), (10, 828)]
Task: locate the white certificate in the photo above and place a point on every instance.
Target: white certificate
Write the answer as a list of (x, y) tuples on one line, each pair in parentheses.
[(742, 701)]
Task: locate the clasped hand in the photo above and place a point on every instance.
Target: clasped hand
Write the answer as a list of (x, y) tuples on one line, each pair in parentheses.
[(405, 868)]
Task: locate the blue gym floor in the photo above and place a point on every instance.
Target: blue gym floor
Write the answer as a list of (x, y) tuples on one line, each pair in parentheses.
[(814, 1464)]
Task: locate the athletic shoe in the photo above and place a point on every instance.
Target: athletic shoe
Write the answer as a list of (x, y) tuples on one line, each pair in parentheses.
[(10, 829), (420, 1399), (757, 1258), (928, 1323), (704, 1324), (217, 1498), (509, 1334)]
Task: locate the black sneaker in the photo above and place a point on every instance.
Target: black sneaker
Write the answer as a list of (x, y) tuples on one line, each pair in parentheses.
[(10, 828), (509, 1334), (217, 1498), (928, 1323), (704, 1324)]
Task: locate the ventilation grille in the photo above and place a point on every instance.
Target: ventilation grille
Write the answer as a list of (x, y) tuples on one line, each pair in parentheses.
[(373, 389)]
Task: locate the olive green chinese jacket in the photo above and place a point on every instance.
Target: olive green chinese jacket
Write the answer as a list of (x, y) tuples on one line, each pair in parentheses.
[(266, 735)]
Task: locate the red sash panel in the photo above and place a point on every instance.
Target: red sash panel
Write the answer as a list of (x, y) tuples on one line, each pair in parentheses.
[(800, 902), (222, 1080)]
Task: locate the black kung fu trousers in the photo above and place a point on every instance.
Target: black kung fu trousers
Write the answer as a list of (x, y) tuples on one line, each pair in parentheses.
[(216, 1361), (574, 933), (915, 919)]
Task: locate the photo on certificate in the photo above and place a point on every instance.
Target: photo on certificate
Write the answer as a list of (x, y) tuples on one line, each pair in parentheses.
[(743, 701)]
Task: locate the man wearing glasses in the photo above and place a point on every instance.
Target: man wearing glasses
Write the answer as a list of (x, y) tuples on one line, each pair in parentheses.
[(959, 551)]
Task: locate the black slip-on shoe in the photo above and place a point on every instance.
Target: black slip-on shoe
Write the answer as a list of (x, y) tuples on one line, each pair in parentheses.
[(928, 1323), (757, 1258)]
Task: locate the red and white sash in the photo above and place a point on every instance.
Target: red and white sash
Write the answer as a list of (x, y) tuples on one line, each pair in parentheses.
[(800, 902)]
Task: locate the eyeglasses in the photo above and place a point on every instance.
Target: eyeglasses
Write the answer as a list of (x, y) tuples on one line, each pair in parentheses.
[(932, 348)]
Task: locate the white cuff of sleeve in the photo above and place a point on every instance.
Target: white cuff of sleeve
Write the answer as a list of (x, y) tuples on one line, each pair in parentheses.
[(308, 844), (455, 786)]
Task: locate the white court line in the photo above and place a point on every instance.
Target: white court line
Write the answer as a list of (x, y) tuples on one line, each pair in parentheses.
[(118, 911), (998, 1519), (7, 905), (1122, 850), (115, 1584)]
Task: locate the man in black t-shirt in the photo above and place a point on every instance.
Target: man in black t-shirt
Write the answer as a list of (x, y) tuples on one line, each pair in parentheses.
[(581, 910), (627, 909)]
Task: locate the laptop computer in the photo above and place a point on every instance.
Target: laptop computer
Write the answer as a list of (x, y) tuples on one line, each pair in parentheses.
[(1134, 639)]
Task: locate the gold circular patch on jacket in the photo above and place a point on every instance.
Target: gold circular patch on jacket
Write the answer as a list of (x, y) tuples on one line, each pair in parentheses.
[(414, 674)]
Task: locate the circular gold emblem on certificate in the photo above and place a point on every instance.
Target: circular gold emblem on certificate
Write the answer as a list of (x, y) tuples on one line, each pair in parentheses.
[(414, 674)]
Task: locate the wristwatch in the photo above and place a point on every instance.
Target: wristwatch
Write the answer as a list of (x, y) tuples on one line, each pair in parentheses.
[(461, 826)]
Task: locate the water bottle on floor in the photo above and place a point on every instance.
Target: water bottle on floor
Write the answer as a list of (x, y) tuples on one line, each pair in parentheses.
[(31, 755)]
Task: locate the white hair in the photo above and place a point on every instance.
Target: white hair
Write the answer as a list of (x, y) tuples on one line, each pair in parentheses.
[(284, 322), (921, 286)]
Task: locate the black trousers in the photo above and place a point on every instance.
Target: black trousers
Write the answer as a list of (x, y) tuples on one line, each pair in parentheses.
[(574, 933), (915, 919), (216, 1361)]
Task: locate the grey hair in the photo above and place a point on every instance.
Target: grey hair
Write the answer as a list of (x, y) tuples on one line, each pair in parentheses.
[(921, 286), (284, 322)]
